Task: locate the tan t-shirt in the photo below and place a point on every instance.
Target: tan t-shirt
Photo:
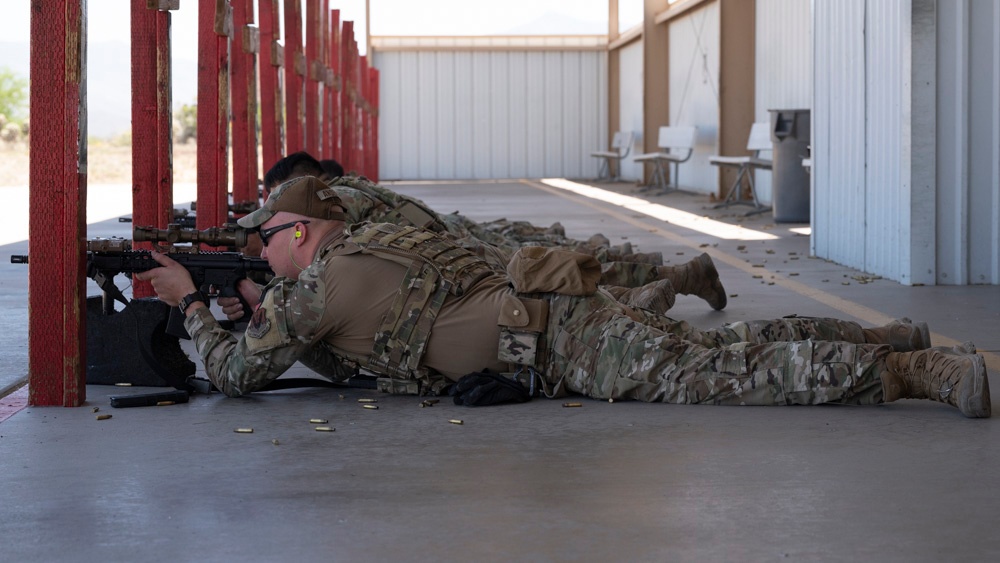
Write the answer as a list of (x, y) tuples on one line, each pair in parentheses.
[(360, 288)]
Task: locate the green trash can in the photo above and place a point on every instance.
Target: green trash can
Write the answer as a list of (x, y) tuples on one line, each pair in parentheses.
[(790, 133)]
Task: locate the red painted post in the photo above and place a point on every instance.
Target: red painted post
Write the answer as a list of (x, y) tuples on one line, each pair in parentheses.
[(272, 58), (152, 170), (243, 64), (313, 76), (363, 131), (295, 70), (375, 111), (164, 114), (215, 24), (57, 204), (347, 66), (332, 122)]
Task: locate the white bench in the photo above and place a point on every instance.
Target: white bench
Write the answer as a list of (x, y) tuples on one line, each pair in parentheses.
[(678, 145), (760, 140), (622, 141)]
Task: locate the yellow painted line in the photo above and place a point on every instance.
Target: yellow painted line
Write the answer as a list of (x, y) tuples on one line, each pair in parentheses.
[(845, 306)]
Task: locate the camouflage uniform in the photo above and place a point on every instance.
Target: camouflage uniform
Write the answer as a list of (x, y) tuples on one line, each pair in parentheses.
[(495, 241), (588, 344), (596, 347)]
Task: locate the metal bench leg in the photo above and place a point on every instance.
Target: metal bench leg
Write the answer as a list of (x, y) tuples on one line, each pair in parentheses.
[(733, 197), (758, 208)]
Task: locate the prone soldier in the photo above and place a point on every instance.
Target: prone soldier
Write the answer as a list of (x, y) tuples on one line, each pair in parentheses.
[(623, 271), (420, 311)]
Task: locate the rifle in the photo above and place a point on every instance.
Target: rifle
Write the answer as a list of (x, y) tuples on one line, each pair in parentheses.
[(107, 258), (181, 217), (230, 235)]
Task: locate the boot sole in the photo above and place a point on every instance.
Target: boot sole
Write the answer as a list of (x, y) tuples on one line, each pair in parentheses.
[(974, 399)]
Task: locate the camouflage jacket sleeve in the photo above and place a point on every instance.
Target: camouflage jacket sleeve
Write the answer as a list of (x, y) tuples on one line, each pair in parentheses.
[(281, 332)]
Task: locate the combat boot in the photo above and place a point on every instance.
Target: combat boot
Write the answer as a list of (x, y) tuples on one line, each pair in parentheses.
[(903, 335), (698, 277), (658, 296), (940, 374)]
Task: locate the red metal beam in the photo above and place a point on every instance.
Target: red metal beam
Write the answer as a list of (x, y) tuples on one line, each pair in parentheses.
[(57, 205), (145, 201), (363, 125), (152, 171), (295, 70), (164, 115), (243, 67), (348, 66), (272, 57), (375, 112), (331, 129), (335, 101), (313, 77), (215, 24)]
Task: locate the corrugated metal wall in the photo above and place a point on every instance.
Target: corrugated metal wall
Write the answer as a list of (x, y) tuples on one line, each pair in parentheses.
[(783, 63), (906, 138), (454, 114), (838, 130), (968, 142), (630, 103), (694, 91)]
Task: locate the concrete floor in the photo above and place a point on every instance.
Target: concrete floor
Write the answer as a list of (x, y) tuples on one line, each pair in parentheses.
[(910, 481)]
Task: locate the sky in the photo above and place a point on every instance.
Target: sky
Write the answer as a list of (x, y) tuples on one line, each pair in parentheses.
[(108, 19), (108, 36)]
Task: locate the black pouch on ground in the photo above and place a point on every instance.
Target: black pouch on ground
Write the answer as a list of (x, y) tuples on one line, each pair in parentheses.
[(482, 388), (130, 346)]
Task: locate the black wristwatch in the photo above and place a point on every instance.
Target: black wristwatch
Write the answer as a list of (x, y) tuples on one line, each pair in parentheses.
[(191, 298)]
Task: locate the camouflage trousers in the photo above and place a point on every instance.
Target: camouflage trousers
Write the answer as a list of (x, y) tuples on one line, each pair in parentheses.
[(628, 274), (598, 348)]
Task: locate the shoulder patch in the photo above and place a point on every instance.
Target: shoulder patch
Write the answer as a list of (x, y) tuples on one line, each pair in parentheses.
[(265, 331)]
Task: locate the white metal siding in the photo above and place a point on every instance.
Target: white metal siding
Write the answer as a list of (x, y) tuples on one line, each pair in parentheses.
[(886, 75), (838, 130), (968, 149), (694, 91), (454, 114), (906, 138), (630, 96), (783, 66)]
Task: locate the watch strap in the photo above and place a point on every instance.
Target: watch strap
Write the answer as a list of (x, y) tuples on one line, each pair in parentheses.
[(191, 298)]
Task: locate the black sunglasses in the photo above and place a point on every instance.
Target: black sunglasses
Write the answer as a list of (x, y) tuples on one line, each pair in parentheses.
[(268, 233)]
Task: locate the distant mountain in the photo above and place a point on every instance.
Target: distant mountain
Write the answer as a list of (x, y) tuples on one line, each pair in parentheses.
[(109, 82), (559, 24)]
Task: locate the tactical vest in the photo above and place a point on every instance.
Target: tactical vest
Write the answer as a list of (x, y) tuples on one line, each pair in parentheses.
[(436, 268)]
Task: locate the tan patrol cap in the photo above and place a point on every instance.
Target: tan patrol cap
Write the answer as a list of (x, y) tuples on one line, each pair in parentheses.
[(307, 196)]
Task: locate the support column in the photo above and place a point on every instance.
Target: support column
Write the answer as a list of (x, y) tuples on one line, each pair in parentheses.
[(58, 204), (656, 79), (313, 77), (215, 25), (348, 67), (272, 58), (614, 75), (336, 61), (295, 70), (334, 98), (152, 121), (375, 105), (736, 83), (244, 82)]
